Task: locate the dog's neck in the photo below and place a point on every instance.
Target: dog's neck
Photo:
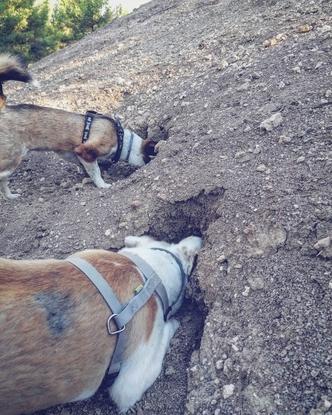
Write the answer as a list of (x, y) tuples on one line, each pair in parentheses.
[(167, 270), (132, 149)]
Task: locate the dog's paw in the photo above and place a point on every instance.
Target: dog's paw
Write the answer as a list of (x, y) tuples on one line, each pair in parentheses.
[(104, 185), (12, 196)]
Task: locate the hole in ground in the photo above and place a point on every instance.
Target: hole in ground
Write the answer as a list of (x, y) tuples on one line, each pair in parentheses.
[(175, 221)]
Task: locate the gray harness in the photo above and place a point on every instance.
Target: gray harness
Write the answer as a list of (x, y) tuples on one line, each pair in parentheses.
[(123, 313)]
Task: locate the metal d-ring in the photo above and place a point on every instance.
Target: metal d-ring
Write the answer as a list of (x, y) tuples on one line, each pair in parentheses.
[(109, 325)]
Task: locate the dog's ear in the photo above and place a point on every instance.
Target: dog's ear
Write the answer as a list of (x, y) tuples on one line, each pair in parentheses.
[(190, 247), (149, 149), (87, 152)]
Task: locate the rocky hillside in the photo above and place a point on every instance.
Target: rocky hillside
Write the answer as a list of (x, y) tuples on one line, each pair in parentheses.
[(240, 93)]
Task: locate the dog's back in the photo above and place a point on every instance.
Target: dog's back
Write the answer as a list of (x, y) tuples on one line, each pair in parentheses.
[(42, 361)]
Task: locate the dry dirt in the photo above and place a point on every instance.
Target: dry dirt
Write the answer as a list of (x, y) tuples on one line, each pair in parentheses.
[(241, 93)]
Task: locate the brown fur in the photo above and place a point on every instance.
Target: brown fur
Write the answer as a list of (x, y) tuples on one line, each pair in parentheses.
[(31, 127), (54, 343), (2, 102)]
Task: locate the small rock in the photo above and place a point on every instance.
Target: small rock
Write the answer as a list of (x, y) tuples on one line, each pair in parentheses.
[(305, 28), (261, 168), (222, 258), (41, 199), (301, 159), (136, 204), (107, 232), (323, 243), (228, 390), (243, 87), (122, 225), (272, 122), (284, 139), (170, 371), (256, 283), (273, 41), (246, 291), (296, 69), (219, 364)]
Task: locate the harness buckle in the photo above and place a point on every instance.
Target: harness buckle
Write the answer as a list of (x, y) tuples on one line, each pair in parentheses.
[(109, 325)]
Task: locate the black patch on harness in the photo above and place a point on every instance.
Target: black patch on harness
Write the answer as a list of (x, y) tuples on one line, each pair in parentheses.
[(58, 311)]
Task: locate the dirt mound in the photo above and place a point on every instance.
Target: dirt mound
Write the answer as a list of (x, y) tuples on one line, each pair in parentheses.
[(240, 93)]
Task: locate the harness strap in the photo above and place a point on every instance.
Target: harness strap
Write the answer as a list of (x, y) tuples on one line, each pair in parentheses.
[(122, 314), (130, 146), (184, 278), (153, 284)]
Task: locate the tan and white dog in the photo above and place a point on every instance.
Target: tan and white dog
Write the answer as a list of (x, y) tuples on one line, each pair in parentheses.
[(74, 136), (54, 345)]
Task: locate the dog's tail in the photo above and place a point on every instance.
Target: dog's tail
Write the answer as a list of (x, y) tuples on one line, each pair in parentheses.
[(13, 68)]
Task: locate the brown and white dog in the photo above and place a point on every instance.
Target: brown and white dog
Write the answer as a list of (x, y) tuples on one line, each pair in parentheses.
[(54, 346), (30, 127)]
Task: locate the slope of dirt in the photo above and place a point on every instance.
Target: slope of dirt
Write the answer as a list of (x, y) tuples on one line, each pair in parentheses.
[(241, 94)]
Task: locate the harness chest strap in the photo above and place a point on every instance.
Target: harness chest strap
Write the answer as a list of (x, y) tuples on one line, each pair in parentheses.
[(122, 314)]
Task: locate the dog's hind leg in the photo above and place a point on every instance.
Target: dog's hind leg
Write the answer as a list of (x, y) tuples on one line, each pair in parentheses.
[(4, 189), (93, 171), (143, 367)]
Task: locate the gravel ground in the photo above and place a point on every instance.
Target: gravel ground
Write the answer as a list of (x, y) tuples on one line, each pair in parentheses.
[(240, 93)]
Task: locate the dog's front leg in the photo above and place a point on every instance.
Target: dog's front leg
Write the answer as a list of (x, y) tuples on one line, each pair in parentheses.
[(93, 171), (143, 367), (5, 191)]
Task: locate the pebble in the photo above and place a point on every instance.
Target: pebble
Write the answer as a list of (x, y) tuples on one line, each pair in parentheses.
[(301, 159), (170, 371), (228, 390), (323, 243), (219, 364), (41, 199), (107, 232), (136, 204), (256, 283), (222, 258), (305, 28), (296, 69), (246, 291), (284, 139), (272, 122), (261, 168), (122, 225)]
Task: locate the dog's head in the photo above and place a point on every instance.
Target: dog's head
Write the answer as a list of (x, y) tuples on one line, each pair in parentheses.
[(186, 250), (149, 150)]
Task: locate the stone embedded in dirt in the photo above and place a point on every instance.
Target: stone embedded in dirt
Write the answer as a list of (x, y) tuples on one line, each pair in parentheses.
[(284, 139), (108, 232), (256, 283), (228, 390), (135, 204), (275, 40), (305, 28), (261, 168), (272, 122), (169, 371), (301, 159), (324, 247)]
